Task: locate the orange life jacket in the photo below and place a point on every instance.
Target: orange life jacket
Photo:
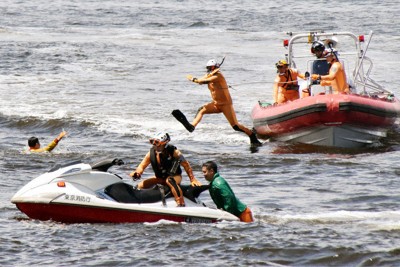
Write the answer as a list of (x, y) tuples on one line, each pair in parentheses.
[(288, 89)]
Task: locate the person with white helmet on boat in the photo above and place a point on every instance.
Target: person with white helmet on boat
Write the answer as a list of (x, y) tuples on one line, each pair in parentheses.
[(34, 144), (221, 102), (336, 76), (286, 87), (165, 160)]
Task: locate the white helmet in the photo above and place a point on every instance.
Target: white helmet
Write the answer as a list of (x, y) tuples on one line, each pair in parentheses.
[(330, 52), (160, 138), (211, 63)]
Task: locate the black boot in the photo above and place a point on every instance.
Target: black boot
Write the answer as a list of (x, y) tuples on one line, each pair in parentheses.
[(254, 141), (182, 119)]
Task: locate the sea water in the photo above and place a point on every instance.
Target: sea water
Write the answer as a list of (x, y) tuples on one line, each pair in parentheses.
[(111, 72)]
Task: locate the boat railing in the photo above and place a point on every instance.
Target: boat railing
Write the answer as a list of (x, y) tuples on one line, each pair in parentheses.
[(365, 84), (310, 37), (354, 59)]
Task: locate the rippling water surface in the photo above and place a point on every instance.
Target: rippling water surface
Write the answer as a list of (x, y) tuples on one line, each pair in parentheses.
[(110, 72)]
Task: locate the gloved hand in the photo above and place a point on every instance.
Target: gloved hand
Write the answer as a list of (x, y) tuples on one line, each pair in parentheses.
[(191, 78), (194, 182), (316, 77), (135, 176)]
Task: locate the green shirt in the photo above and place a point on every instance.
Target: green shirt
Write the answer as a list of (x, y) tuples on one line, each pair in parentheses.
[(223, 196)]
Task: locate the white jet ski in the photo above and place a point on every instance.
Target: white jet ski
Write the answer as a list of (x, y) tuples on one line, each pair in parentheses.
[(84, 193)]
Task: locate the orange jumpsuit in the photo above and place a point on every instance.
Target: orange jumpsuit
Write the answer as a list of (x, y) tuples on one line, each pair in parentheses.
[(286, 87), (222, 101), (336, 78)]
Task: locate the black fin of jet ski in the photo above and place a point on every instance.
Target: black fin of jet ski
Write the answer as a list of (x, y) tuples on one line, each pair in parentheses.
[(104, 165)]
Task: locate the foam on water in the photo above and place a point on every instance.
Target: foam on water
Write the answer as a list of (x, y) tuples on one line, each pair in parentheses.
[(373, 220)]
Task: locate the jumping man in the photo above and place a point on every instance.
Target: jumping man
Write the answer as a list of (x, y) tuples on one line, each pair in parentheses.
[(222, 102)]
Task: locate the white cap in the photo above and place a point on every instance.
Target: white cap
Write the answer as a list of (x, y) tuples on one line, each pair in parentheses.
[(211, 62)]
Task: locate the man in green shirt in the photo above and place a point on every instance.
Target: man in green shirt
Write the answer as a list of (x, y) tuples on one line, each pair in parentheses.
[(222, 194)]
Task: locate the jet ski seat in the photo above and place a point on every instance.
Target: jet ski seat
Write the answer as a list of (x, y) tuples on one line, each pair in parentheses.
[(125, 193)]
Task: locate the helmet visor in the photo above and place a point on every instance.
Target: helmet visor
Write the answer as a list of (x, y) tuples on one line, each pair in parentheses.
[(157, 142)]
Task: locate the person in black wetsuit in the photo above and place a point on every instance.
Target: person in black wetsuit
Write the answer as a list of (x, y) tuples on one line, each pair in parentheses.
[(165, 160)]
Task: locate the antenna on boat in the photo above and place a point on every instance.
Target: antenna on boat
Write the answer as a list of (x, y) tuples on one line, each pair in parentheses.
[(358, 76), (222, 62), (363, 55)]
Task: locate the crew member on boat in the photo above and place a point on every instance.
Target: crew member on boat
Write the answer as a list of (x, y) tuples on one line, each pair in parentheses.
[(34, 144), (320, 65), (165, 160), (286, 87), (222, 194), (336, 77)]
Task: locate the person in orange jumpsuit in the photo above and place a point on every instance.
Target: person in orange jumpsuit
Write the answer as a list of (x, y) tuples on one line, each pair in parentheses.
[(285, 83), (336, 76), (165, 160), (34, 144), (222, 102)]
